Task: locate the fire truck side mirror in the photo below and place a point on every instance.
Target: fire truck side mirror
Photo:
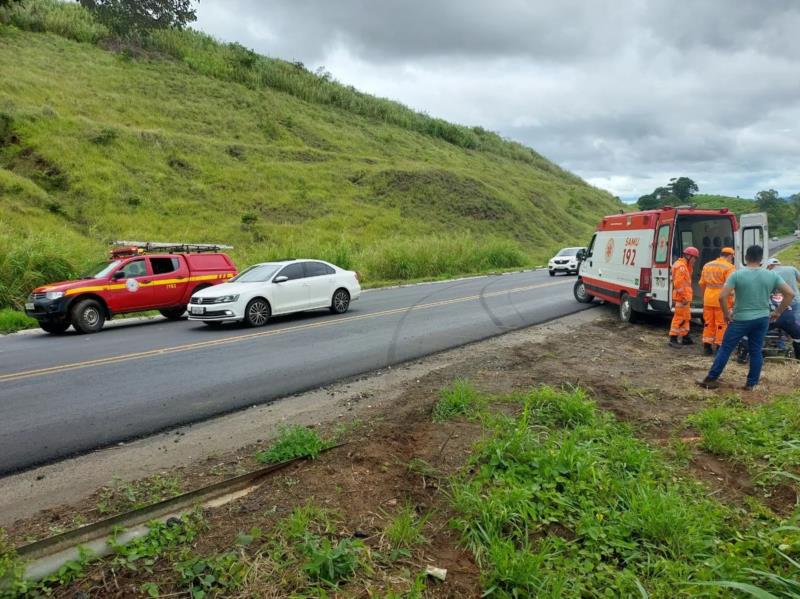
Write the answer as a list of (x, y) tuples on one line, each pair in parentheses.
[(120, 274)]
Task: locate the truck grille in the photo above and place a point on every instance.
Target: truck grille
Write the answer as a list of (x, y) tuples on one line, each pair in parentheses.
[(38, 296)]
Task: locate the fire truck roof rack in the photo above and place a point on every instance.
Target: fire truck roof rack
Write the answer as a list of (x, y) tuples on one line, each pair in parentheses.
[(148, 247)]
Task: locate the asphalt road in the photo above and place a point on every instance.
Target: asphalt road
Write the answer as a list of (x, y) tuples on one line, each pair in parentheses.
[(63, 395)]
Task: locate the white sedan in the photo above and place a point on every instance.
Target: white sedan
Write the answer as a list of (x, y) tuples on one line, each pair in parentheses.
[(273, 288)]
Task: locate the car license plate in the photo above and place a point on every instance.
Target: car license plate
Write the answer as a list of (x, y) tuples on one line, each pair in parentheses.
[(29, 306), (197, 309)]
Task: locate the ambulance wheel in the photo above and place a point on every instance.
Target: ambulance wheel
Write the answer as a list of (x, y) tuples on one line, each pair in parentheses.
[(174, 313), (55, 327), (88, 316), (580, 293), (626, 311)]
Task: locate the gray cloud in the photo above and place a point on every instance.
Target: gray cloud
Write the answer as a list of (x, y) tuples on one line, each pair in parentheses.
[(626, 93)]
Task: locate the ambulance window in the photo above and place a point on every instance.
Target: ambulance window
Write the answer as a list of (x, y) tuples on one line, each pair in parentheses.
[(751, 236), (162, 266), (135, 268), (662, 244)]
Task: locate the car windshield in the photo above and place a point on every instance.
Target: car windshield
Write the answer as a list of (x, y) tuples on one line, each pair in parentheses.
[(569, 252), (101, 271), (255, 274)]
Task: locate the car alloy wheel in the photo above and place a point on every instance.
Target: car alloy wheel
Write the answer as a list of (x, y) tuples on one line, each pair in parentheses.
[(341, 301), (258, 313)]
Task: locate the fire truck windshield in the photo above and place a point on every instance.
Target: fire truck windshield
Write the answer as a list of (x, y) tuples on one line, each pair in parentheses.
[(102, 270)]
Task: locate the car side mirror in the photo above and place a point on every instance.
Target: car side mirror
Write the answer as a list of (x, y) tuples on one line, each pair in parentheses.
[(280, 279), (120, 274)]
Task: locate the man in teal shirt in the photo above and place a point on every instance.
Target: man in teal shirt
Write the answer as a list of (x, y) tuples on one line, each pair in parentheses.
[(751, 315)]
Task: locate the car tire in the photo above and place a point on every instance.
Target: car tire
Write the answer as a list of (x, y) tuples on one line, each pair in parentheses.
[(626, 312), (580, 293), (54, 327), (257, 313), (552, 273), (340, 302), (88, 316), (174, 313)]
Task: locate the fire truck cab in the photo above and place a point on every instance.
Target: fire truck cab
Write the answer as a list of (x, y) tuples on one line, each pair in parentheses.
[(139, 276), (629, 259)]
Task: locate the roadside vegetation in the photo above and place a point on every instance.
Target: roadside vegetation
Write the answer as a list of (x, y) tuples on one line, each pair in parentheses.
[(555, 498), (98, 142)]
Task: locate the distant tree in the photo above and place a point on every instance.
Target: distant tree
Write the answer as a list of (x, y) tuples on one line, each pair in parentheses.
[(10, 2), (137, 16), (794, 201), (682, 188), (767, 200), (648, 202)]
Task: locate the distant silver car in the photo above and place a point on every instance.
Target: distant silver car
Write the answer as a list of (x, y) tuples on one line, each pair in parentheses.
[(565, 261)]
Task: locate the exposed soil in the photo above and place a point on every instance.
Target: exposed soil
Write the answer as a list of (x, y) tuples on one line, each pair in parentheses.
[(629, 369)]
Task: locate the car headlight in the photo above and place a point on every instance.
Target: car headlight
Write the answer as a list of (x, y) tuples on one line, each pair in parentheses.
[(226, 299), (54, 295)]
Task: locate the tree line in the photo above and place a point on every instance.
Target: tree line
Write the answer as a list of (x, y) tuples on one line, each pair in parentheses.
[(783, 212)]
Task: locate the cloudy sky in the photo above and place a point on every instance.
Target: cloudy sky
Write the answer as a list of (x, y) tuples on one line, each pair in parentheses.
[(625, 93)]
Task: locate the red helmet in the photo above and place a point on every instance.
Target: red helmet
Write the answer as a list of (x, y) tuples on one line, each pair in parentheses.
[(691, 251)]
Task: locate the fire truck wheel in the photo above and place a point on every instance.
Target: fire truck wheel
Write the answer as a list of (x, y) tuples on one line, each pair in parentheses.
[(626, 311), (56, 328), (580, 293), (88, 316), (174, 313), (340, 302), (257, 312)]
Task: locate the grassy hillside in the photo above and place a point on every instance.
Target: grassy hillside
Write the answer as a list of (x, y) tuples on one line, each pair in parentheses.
[(188, 139)]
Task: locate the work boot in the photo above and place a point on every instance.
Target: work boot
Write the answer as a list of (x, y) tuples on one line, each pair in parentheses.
[(673, 341), (708, 383), (708, 349), (688, 340), (796, 345)]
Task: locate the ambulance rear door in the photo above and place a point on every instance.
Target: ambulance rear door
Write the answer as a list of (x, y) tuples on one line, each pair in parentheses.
[(661, 296), (752, 231)]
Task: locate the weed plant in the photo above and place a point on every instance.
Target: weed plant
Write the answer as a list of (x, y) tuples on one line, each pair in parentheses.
[(294, 442), (13, 320), (122, 496), (458, 399)]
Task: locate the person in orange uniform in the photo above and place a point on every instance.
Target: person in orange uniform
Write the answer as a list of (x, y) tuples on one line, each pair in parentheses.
[(712, 280), (682, 294)]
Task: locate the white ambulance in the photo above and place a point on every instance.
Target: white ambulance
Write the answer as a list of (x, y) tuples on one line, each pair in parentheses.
[(629, 259)]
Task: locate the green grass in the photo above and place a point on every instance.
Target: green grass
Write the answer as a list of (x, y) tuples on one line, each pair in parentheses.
[(763, 437), (123, 496), (294, 442), (191, 139), (562, 500), (458, 399), (14, 320), (404, 529), (790, 255)]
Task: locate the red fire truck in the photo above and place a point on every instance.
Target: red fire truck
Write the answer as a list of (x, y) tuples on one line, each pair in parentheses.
[(629, 258), (139, 276)]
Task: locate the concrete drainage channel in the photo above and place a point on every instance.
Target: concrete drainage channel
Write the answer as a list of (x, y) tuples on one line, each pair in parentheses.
[(46, 556)]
